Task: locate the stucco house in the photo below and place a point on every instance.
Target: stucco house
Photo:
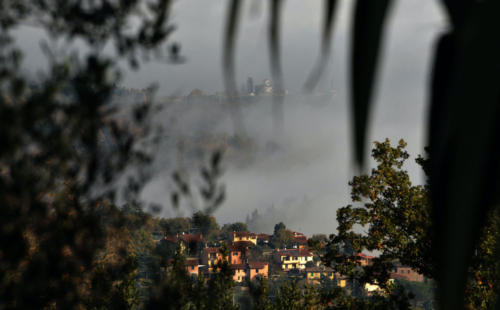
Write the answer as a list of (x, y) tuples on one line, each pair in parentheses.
[(293, 258)]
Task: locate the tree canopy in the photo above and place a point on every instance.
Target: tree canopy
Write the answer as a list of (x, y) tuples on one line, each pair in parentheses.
[(392, 218)]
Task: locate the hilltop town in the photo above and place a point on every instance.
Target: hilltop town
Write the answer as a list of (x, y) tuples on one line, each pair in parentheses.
[(285, 254)]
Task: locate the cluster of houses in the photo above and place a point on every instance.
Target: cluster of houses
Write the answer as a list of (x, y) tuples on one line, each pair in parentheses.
[(298, 260)]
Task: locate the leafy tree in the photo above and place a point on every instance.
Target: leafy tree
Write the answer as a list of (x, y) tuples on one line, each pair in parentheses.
[(423, 292), (317, 242), (395, 214), (278, 227), (113, 288), (56, 172), (393, 218), (260, 294), (484, 270), (289, 297), (179, 291), (227, 229), (238, 226), (282, 238), (175, 225), (220, 285), (205, 224), (166, 250), (173, 292)]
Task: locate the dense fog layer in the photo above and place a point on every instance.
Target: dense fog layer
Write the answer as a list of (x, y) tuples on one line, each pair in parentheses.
[(301, 177)]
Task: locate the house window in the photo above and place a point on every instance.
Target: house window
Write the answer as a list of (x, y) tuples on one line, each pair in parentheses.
[(408, 271)]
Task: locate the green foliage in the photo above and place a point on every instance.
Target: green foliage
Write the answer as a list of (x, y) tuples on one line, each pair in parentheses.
[(220, 285), (484, 270), (238, 226), (317, 243), (393, 212), (179, 291), (227, 229), (260, 294), (165, 249), (172, 226), (283, 238), (174, 291), (115, 289), (289, 297), (395, 217), (423, 292), (55, 171), (278, 227), (206, 224)]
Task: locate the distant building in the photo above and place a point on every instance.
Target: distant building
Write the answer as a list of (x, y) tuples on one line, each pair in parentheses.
[(372, 288), (365, 260), (265, 89), (210, 257), (239, 272), (263, 239), (406, 273), (258, 269), (195, 96), (237, 256), (237, 236), (250, 271), (192, 266), (299, 240), (250, 89), (293, 258), (238, 252), (191, 243), (319, 272)]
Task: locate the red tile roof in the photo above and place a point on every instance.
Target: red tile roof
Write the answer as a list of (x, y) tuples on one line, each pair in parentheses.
[(364, 256), (263, 236), (394, 275), (256, 265), (298, 234), (300, 239), (295, 252), (192, 262), (241, 244), (238, 266), (211, 250), (188, 238)]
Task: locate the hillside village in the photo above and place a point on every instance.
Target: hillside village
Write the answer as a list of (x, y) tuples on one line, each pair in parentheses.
[(283, 254)]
